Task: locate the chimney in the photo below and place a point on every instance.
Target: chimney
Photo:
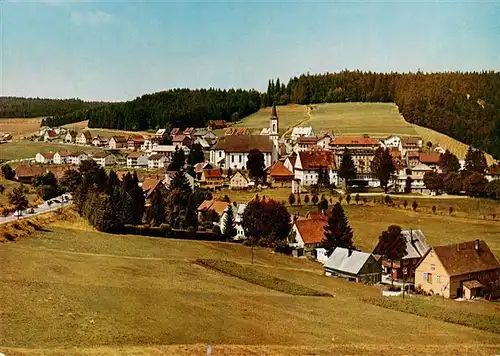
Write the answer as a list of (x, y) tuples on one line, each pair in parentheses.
[(476, 246)]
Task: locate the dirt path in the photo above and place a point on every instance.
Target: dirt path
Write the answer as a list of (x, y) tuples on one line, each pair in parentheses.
[(309, 117)]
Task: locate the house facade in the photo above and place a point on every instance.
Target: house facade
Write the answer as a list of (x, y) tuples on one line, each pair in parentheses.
[(84, 138), (308, 165), (104, 159), (135, 142), (306, 235), (44, 157), (212, 178), (238, 181), (460, 270), (232, 151), (304, 144), (156, 161), (392, 142), (302, 131), (137, 160), (117, 142), (70, 137), (362, 149)]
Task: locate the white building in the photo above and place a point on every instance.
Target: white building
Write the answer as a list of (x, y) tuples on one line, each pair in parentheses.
[(70, 137), (156, 161), (84, 138), (308, 164), (238, 211), (137, 160), (167, 150), (232, 151), (77, 158), (302, 131), (46, 157), (104, 159), (117, 142), (392, 142)]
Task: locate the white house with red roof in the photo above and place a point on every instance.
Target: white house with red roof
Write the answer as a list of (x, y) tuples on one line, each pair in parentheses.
[(45, 157), (308, 165)]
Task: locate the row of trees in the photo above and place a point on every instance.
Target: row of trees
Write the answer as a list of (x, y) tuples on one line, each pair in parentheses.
[(36, 107), (173, 108), (462, 105)]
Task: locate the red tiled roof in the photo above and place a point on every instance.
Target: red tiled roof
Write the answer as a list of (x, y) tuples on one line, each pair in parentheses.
[(429, 158), (311, 230), (136, 138), (28, 171), (135, 155), (313, 160), (149, 184), (48, 155), (212, 173), (244, 143), (51, 133), (279, 170), (217, 206), (462, 258), (307, 140), (236, 131), (179, 138), (354, 140)]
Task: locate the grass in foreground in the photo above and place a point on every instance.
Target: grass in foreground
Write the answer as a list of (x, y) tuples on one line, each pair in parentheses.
[(261, 279), (445, 311)]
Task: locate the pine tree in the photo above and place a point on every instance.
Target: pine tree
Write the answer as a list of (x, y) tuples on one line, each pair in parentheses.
[(291, 198), (8, 172), (229, 224), (256, 165), (383, 167), (70, 180), (195, 154), (338, 233), (475, 161), (156, 212), (178, 160), (181, 182), (448, 162), (347, 170)]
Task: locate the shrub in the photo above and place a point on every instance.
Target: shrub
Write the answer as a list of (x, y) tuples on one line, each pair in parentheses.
[(405, 203), (387, 199), (450, 210), (414, 205), (348, 199), (434, 209), (356, 198)]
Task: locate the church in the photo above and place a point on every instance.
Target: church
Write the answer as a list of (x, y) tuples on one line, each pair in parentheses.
[(232, 151)]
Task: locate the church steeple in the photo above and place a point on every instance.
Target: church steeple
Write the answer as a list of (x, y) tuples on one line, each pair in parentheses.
[(274, 114), (273, 123)]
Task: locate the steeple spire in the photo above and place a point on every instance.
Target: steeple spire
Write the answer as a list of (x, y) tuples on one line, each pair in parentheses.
[(274, 114)]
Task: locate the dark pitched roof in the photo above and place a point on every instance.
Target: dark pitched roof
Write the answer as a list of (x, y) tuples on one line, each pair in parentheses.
[(409, 140), (244, 143), (87, 135), (119, 139), (462, 258), (27, 171), (212, 173), (354, 140), (156, 157), (313, 160), (274, 114)]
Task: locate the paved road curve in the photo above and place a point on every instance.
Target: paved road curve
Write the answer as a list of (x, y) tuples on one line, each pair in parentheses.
[(46, 207)]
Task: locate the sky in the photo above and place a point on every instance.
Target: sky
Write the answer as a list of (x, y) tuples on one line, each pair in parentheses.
[(118, 50)]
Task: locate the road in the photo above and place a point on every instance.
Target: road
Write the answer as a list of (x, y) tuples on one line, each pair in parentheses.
[(42, 208)]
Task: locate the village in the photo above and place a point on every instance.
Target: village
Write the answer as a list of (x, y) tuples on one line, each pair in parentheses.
[(299, 162)]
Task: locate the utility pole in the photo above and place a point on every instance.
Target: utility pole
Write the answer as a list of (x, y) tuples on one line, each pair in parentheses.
[(252, 251)]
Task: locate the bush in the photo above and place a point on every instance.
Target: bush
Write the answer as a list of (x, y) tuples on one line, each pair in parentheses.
[(414, 205), (285, 249), (387, 200)]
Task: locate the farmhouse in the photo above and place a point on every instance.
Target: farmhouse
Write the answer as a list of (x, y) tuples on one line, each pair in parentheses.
[(70, 137), (84, 138), (392, 142), (199, 167), (116, 142), (182, 141), (104, 159), (45, 157), (362, 149), (279, 174), (151, 185), (135, 142), (62, 158), (309, 164), (353, 265), (466, 269), (136, 160), (410, 144), (307, 234), (430, 159), (324, 140), (302, 131), (304, 144), (416, 248), (212, 178), (49, 135), (232, 151), (76, 158), (27, 173), (217, 124), (99, 142), (215, 205), (238, 181)]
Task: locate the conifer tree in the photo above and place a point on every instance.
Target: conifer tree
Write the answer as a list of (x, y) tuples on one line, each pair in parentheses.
[(448, 162), (475, 161), (392, 245), (383, 167), (347, 170), (156, 211), (178, 160), (229, 224), (180, 181), (338, 233)]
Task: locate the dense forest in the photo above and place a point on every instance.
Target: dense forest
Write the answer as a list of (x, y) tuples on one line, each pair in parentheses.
[(173, 108), (14, 107), (465, 106)]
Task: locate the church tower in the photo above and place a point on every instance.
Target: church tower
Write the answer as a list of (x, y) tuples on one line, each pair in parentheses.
[(274, 126)]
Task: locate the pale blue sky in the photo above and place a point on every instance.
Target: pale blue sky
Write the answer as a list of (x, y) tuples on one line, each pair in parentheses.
[(117, 50)]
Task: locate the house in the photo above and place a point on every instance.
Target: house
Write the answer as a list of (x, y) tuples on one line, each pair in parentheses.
[(136, 160), (46, 157), (238, 181), (99, 142), (76, 158), (493, 173), (49, 135), (212, 178), (412, 158), (416, 248), (156, 161), (324, 140), (417, 177), (430, 159), (309, 164), (237, 131), (217, 124), (304, 144), (202, 142), (199, 167), (62, 158), (232, 151), (238, 210), (84, 138), (151, 185), (206, 134), (70, 137), (280, 175), (160, 135), (459, 270), (116, 142), (410, 144), (175, 131), (25, 173), (218, 206), (104, 159), (188, 131), (182, 141), (362, 149), (135, 142), (438, 149), (168, 150), (290, 162), (353, 265), (392, 141), (169, 175), (306, 235), (302, 131)]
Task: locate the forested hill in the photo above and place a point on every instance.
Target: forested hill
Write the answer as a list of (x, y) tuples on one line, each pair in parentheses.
[(14, 107), (465, 106), (172, 108)]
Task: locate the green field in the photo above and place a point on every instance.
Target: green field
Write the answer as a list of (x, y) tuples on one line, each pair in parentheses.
[(71, 290), (375, 119), (28, 149)]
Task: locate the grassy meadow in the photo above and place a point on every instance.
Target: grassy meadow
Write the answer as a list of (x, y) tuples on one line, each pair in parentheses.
[(28, 149), (72, 290), (20, 128), (104, 133)]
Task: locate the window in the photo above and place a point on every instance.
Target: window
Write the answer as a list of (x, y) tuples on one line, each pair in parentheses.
[(405, 262), (433, 267), (429, 278), (240, 158), (232, 159), (438, 279), (220, 154)]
